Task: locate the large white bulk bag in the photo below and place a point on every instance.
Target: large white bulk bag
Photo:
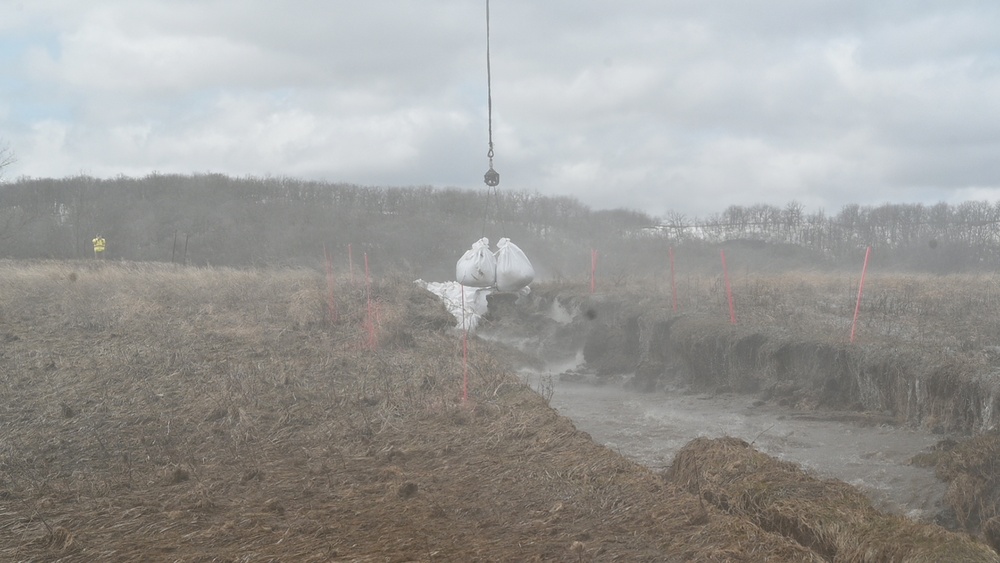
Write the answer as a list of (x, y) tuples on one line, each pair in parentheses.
[(477, 267), (514, 270)]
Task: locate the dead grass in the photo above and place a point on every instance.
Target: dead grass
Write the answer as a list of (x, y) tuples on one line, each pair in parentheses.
[(972, 469), (953, 311), (154, 413), (926, 354), (828, 516)]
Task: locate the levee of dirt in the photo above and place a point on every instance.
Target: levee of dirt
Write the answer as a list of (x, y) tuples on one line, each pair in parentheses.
[(972, 469), (828, 516), (943, 389)]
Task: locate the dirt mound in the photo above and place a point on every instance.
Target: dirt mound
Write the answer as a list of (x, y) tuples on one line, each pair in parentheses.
[(972, 469), (828, 516)]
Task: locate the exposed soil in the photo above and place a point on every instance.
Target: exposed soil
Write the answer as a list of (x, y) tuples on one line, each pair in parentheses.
[(808, 366), (805, 364), (154, 414)]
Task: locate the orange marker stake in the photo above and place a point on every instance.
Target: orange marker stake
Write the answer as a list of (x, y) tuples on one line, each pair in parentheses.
[(729, 290), (861, 289)]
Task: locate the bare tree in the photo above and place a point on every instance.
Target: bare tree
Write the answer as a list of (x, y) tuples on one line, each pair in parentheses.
[(6, 157)]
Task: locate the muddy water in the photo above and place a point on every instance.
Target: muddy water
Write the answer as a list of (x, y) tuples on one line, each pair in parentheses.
[(651, 427)]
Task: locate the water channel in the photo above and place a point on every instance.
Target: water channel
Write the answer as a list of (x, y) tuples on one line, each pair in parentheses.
[(651, 427)]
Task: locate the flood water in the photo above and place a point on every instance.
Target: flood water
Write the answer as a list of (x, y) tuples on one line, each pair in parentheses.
[(651, 427)]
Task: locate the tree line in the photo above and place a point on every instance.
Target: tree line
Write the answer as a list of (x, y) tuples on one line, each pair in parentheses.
[(214, 219), (938, 238)]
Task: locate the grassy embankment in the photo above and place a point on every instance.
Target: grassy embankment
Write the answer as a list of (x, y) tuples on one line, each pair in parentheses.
[(926, 352), (161, 414)]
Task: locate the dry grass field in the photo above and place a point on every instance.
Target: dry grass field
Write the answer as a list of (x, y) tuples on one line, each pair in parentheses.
[(957, 311), (154, 413)]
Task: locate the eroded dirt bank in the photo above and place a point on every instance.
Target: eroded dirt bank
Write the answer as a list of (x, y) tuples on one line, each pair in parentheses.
[(942, 390), (828, 516)]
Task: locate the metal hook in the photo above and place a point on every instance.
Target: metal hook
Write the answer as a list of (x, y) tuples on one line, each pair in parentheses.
[(492, 177)]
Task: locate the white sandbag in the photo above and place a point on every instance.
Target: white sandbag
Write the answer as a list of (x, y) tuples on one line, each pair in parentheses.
[(514, 270), (467, 304), (477, 267)]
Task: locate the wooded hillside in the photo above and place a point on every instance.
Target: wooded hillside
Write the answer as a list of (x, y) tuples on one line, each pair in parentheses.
[(220, 220)]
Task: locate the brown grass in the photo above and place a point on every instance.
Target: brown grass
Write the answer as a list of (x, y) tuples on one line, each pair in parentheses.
[(926, 354), (972, 469), (828, 516), (154, 413), (953, 311)]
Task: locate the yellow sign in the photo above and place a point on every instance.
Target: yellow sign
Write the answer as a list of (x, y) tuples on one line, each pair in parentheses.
[(99, 244)]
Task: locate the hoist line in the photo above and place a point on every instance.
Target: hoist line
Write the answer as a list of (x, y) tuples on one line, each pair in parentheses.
[(491, 187), (489, 85), (500, 215), (494, 193), (486, 212)]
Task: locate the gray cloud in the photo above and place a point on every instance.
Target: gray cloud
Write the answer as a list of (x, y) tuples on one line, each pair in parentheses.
[(658, 106)]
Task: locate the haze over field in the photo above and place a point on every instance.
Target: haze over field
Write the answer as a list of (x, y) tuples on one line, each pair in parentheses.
[(657, 106)]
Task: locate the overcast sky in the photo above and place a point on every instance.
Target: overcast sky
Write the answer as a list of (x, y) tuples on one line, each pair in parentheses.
[(662, 106)]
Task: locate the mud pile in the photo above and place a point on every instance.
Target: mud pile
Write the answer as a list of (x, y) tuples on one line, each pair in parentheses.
[(827, 516), (972, 469)]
